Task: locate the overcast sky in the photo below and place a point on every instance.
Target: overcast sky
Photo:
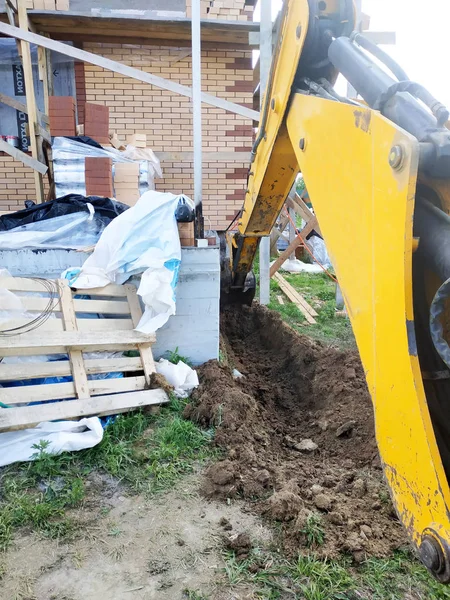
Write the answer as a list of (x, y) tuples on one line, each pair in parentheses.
[(423, 39)]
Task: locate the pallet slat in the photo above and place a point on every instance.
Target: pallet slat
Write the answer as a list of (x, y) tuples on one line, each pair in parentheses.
[(24, 284), (101, 307), (19, 418), (31, 343), (58, 391), (56, 325), (61, 368)]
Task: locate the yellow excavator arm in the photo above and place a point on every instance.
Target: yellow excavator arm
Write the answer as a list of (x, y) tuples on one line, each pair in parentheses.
[(378, 176)]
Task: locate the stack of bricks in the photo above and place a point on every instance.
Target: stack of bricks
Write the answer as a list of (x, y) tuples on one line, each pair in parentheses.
[(62, 114), (126, 182), (98, 174), (96, 122), (48, 4), (166, 117), (186, 233), (223, 10)]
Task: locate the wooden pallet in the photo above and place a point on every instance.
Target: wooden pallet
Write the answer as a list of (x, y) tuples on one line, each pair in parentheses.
[(75, 329)]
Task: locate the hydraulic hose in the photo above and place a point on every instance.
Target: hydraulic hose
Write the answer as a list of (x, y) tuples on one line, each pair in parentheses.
[(382, 56)]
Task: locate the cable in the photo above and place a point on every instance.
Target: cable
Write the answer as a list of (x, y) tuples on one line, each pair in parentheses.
[(53, 289), (324, 269), (382, 56)]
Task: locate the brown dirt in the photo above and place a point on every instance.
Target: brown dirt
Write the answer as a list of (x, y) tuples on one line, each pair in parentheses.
[(298, 432)]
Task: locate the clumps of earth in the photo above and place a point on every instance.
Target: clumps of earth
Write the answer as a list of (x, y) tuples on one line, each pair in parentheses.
[(297, 431)]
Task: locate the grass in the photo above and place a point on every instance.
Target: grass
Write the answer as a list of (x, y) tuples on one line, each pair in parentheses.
[(319, 290), (313, 531), (310, 578), (146, 452)]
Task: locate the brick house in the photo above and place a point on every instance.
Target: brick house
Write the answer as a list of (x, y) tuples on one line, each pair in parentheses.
[(158, 45)]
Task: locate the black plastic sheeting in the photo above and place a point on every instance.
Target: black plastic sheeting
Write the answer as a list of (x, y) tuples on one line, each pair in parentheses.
[(106, 210)]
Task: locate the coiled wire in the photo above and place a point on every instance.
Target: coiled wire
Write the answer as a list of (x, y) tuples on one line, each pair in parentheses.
[(53, 289)]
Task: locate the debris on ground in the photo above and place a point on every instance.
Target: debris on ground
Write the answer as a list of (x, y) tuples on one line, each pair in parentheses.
[(297, 393)]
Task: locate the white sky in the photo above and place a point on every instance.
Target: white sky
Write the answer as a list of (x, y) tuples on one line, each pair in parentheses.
[(423, 38)]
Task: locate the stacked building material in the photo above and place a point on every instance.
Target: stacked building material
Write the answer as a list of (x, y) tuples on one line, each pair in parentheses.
[(62, 116), (186, 231), (126, 183), (96, 122), (98, 173)]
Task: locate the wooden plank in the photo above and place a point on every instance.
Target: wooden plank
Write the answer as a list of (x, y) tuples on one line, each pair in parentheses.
[(26, 284), (30, 98), (108, 290), (4, 99), (280, 300), (56, 325), (121, 69), (61, 368), (69, 320), (299, 205), (18, 418), (299, 298), (99, 307), (43, 75), (33, 343), (292, 246), (148, 363), (24, 158), (305, 308), (58, 391)]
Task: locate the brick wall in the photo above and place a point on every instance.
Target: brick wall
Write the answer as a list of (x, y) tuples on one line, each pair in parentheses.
[(166, 117), (16, 184)]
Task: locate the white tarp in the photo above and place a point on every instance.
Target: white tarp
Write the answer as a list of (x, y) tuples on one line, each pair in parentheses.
[(63, 436), (143, 239)]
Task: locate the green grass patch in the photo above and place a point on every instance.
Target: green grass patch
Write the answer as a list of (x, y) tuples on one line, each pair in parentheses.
[(310, 578), (146, 452), (320, 291)]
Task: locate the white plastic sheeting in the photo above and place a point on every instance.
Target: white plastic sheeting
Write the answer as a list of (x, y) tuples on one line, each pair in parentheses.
[(68, 163), (144, 239), (62, 436), (181, 376), (73, 231)]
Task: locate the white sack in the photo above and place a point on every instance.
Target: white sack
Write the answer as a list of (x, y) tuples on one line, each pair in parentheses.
[(64, 436), (181, 376), (297, 266), (143, 239)]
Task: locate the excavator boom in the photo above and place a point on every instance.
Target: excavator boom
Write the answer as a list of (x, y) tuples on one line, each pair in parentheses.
[(378, 176)]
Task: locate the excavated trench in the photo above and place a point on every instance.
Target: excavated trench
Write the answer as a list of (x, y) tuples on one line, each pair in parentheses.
[(297, 432)]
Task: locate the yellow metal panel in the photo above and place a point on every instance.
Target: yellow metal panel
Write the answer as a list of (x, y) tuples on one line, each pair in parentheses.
[(292, 38), (365, 209)]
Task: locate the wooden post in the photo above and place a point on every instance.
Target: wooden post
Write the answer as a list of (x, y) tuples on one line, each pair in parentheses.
[(265, 58), (31, 99), (197, 100), (43, 76)]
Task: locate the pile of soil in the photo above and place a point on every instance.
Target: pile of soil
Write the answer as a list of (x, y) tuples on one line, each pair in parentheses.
[(298, 435)]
